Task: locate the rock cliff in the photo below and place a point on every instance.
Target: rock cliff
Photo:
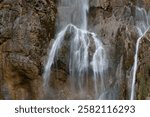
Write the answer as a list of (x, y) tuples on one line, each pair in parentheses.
[(26, 28), (114, 21)]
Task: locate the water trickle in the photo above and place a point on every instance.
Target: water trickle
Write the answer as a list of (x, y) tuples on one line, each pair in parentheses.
[(83, 62), (142, 25)]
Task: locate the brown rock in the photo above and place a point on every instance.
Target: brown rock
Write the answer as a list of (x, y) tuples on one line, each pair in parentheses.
[(26, 28)]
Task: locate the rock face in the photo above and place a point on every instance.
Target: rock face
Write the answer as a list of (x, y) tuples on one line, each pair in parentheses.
[(114, 22), (27, 27), (143, 73)]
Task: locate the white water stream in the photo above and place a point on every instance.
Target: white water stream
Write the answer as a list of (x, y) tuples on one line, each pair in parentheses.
[(81, 61), (143, 26)]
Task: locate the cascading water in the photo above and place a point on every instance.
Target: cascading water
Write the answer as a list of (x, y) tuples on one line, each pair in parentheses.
[(143, 25), (84, 63)]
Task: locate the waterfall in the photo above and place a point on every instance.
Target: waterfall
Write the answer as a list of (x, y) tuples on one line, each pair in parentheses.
[(84, 63), (142, 25)]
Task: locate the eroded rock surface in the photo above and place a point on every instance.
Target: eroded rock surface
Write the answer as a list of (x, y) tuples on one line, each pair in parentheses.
[(26, 28), (115, 24)]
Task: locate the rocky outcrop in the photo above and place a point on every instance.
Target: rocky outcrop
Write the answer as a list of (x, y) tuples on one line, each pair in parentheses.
[(26, 28), (114, 22), (143, 73)]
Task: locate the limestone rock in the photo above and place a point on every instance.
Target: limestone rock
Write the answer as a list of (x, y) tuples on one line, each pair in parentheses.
[(26, 28)]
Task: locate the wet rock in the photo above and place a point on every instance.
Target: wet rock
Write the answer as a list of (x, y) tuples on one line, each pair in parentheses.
[(143, 73), (119, 34)]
